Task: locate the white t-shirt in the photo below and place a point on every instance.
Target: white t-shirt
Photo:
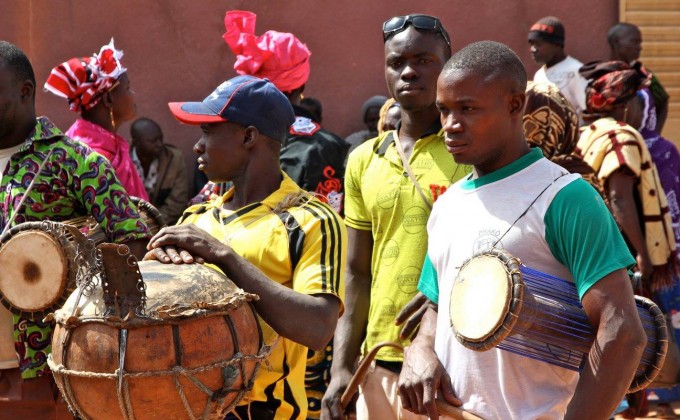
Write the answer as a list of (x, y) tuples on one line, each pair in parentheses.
[(8, 358), (565, 76)]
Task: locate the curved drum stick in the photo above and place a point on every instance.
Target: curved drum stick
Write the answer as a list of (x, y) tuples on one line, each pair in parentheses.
[(442, 406)]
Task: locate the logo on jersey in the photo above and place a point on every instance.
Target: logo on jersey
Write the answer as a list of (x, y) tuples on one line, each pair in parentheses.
[(304, 126)]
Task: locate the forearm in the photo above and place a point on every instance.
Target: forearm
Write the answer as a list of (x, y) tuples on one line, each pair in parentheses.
[(284, 309), (428, 327), (626, 214), (608, 373), (351, 328)]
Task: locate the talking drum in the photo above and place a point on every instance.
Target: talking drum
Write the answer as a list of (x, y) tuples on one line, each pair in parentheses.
[(40, 260), (498, 302), (155, 341)]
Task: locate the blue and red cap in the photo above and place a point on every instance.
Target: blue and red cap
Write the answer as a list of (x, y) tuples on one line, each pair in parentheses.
[(243, 100)]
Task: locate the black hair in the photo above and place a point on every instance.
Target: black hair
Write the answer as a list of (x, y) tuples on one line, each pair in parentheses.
[(314, 107), (615, 31), (135, 127), (489, 58), (16, 61)]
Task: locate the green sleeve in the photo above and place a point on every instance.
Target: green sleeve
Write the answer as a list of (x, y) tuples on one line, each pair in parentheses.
[(583, 235), (428, 284)]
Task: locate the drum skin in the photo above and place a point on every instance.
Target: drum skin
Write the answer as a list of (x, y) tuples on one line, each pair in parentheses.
[(93, 345)]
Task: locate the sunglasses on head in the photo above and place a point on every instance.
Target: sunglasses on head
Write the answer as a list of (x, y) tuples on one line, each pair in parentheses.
[(424, 22)]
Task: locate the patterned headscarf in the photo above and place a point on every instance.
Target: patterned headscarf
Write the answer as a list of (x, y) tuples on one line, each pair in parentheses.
[(277, 56), (611, 83), (549, 120), (83, 81)]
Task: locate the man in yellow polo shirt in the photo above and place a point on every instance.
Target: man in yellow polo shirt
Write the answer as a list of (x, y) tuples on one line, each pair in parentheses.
[(267, 234), (386, 216)]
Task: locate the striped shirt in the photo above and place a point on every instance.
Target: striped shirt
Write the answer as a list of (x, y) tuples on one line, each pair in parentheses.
[(301, 245)]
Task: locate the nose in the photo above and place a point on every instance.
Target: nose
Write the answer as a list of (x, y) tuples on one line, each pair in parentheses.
[(450, 124), (409, 72), (533, 49), (199, 147)]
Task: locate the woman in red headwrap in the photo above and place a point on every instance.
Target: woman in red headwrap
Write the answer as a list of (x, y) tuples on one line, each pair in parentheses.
[(98, 89)]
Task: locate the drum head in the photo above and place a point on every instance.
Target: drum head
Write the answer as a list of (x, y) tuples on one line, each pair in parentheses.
[(480, 298), (34, 272)]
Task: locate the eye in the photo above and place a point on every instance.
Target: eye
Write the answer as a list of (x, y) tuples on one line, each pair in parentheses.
[(425, 61)]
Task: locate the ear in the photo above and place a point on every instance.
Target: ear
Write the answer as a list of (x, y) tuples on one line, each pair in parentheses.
[(250, 136), (516, 104), (27, 90), (106, 100)]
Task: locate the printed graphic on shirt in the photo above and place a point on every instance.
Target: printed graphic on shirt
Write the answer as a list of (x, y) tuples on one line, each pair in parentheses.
[(486, 240), (304, 126)]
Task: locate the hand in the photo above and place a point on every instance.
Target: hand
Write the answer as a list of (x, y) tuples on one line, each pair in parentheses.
[(411, 314), (330, 404), (422, 375), (185, 244)]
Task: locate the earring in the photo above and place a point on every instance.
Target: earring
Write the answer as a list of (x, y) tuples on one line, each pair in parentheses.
[(113, 120)]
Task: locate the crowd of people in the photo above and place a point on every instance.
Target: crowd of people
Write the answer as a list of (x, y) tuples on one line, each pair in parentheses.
[(350, 243)]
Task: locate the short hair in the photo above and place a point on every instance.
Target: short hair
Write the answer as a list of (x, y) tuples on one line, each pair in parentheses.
[(490, 58), (314, 107), (15, 59), (615, 31), (136, 125)]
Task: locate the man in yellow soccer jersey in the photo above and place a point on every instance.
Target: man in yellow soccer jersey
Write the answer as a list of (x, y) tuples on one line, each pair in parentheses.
[(266, 234)]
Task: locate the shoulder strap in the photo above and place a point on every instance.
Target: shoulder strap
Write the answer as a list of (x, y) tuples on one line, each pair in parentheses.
[(404, 161)]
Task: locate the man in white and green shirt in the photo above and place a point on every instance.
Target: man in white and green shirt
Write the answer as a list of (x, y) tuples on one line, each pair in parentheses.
[(552, 221)]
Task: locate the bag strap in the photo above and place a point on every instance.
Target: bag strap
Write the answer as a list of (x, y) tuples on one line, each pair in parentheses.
[(404, 161)]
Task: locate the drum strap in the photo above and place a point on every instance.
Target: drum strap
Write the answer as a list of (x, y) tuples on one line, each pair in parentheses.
[(528, 207), (407, 167)]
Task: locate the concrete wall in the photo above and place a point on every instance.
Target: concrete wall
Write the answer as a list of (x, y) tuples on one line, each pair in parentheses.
[(174, 49)]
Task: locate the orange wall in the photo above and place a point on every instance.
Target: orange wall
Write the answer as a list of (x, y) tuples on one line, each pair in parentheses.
[(174, 49)]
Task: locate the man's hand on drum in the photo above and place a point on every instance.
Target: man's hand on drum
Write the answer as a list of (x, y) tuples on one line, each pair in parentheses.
[(184, 244), (411, 314), (422, 375)]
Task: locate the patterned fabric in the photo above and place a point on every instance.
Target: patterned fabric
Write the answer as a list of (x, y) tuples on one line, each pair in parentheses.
[(277, 56), (551, 124), (149, 179), (607, 146), (611, 83), (114, 148), (83, 81), (74, 182)]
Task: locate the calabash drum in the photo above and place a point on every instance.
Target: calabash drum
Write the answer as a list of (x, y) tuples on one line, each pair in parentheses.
[(41, 260), (156, 341), (498, 302)]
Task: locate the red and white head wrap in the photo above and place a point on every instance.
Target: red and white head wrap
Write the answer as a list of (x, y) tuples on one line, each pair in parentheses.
[(277, 56), (83, 81)]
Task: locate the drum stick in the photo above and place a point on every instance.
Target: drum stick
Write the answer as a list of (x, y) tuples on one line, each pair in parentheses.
[(28, 190), (443, 407)]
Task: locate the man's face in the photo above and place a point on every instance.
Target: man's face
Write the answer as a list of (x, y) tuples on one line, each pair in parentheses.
[(220, 153), (543, 52), (148, 140), (475, 111), (10, 102), (629, 45), (413, 61)]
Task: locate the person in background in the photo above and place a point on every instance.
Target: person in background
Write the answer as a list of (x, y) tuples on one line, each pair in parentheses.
[(74, 181), (625, 44), (622, 162), (312, 156), (161, 167), (370, 114), (98, 88), (390, 115), (546, 38), (314, 107)]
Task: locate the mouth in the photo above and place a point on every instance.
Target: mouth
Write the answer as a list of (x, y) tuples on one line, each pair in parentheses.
[(455, 147), (201, 164), (409, 90)]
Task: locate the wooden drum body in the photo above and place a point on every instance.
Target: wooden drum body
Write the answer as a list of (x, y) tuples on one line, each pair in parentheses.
[(174, 342), (497, 302)]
